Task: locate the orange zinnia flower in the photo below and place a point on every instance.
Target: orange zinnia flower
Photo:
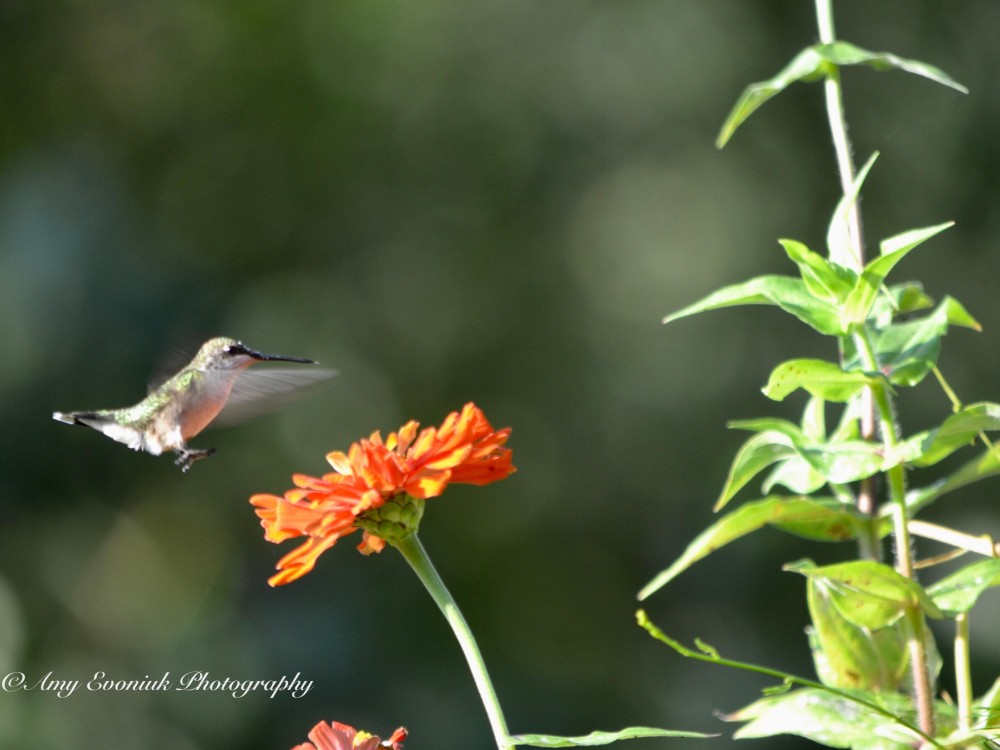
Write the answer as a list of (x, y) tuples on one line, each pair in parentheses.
[(407, 464), (337, 736)]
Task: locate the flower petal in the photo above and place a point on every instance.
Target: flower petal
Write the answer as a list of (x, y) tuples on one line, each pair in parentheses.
[(333, 736), (301, 560)]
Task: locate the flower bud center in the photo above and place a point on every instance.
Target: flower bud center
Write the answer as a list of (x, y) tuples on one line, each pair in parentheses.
[(396, 518)]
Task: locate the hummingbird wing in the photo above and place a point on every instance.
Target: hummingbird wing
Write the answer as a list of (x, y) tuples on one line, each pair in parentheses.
[(269, 389), (171, 360)]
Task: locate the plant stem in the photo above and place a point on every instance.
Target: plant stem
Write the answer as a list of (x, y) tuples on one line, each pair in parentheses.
[(922, 693), (841, 143), (414, 553), (868, 543), (963, 677), (981, 545), (876, 398)]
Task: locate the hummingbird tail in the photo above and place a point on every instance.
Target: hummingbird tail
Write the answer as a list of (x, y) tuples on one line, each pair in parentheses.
[(87, 418), (105, 422)]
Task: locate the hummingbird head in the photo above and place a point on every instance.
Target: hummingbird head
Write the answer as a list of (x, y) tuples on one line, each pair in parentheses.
[(223, 353)]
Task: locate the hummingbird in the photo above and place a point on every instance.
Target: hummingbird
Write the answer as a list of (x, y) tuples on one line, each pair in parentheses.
[(184, 405)]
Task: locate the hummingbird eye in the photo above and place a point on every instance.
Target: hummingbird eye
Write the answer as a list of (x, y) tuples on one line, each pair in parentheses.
[(236, 347)]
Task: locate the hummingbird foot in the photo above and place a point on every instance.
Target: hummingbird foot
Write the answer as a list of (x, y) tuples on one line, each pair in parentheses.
[(187, 456)]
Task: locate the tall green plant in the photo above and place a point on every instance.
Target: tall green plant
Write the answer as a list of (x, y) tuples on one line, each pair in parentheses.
[(875, 658)]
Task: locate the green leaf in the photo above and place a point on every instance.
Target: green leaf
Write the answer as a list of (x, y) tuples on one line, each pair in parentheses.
[(750, 517), (810, 64), (814, 419), (845, 53), (960, 429), (868, 594), (824, 279), (707, 649), (770, 424), (862, 297), (845, 461), (986, 708), (848, 428), (911, 238), (893, 708), (795, 474), (958, 316), (906, 352), (786, 292), (806, 466), (840, 523), (909, 297), (804, 66), (838, 235), (818, 377), (984, 466), (849, 656), (793, 471), (899, 299), (781, 689), (958, 592), (599, 738), (833, 720), (755, 455)]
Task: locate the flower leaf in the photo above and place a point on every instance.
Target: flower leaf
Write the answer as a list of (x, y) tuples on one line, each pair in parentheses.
[(958, 592), (599, 738), (818, 377), (845, 53), (849, 656), (755, 455), (845, 461), (838, 235), (786, 292), (888, 711), (837, 518), (808, 463), (795, 474), (824, 279), (986, 465), (868, 594), (862, 297), (830, 719), (907, 352), (911, 238), (987, 706), (809, 65), (792, 471), (960, 429)]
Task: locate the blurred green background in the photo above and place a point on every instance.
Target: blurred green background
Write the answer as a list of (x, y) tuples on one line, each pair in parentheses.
[(488, 201)]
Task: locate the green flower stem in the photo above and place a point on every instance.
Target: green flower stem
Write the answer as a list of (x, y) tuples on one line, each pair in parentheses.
[(414, 553), (980, 545), (868, 542), (956, 403), (838, 130), (963, 676), (922, 694)]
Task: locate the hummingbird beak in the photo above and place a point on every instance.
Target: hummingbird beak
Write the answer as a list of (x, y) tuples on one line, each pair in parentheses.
[(261, 357)]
